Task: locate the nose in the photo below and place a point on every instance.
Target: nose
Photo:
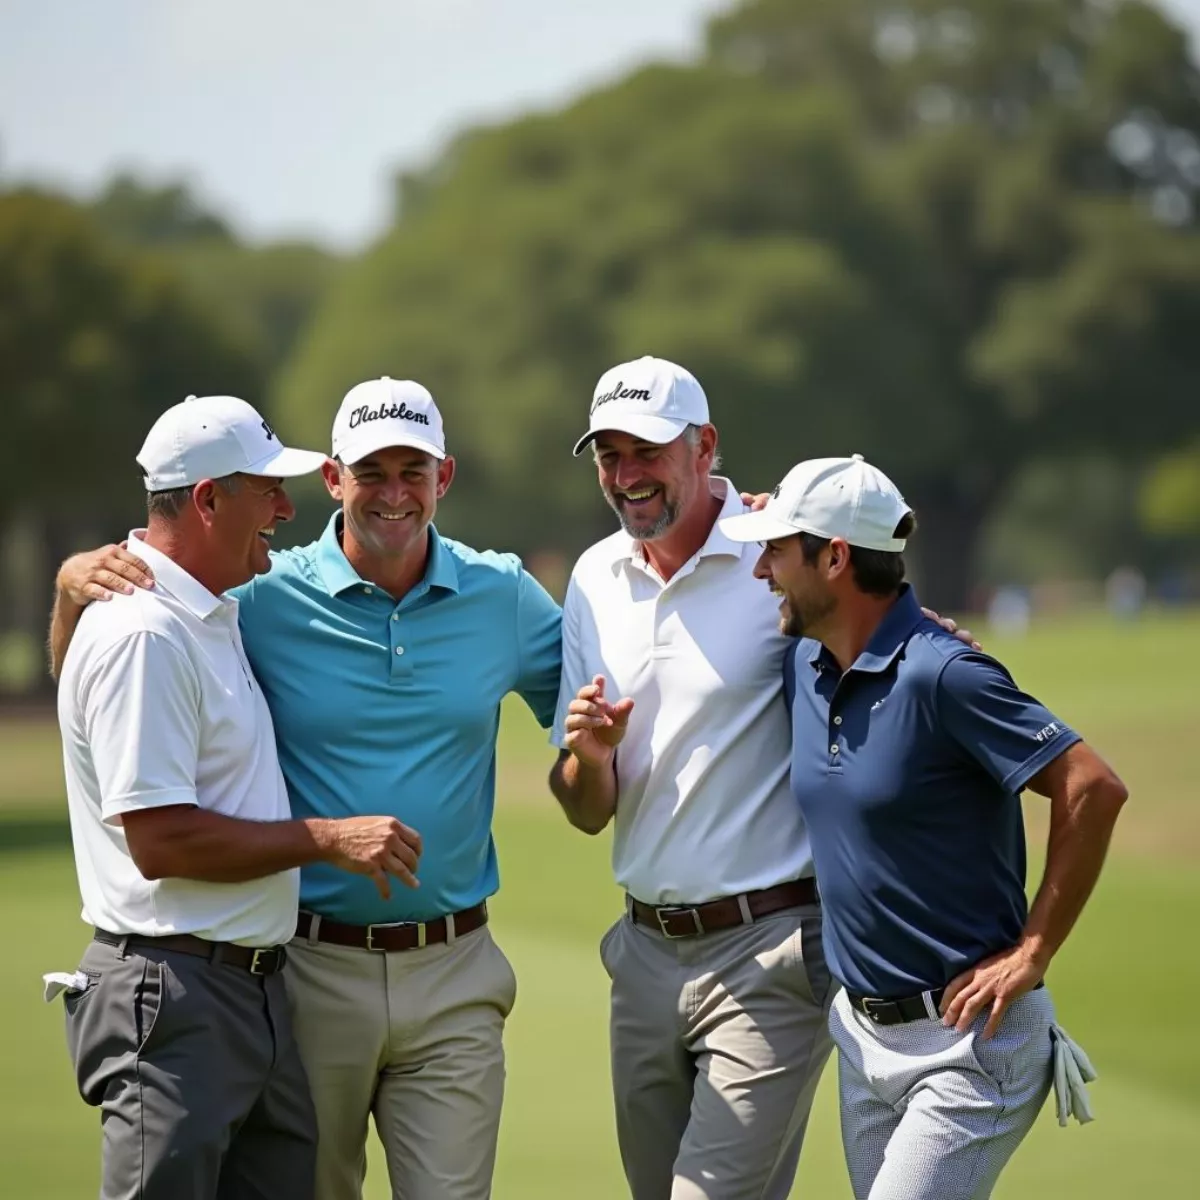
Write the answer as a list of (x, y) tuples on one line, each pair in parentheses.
[(392, 493), (628, 473), (761, 569), (285, 510)]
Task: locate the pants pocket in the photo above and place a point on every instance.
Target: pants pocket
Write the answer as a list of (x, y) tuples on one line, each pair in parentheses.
[(606, 945), (506, 992), (148, 1003), (808, 955)]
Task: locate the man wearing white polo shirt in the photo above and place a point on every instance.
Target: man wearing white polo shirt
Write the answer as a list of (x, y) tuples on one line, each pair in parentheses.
[(719, 985), (177, 1020)]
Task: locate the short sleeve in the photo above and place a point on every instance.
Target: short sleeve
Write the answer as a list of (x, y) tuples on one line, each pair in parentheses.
[(539, 637), (141, 708), (1009, 733), (574, 670)]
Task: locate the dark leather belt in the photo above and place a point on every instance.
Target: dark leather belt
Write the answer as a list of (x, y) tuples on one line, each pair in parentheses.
[(907, 1008), (265, 960), (403, 935), (683, 920)]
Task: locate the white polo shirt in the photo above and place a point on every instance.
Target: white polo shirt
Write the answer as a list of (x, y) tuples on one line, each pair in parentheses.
[(157, 705), (704, 808)]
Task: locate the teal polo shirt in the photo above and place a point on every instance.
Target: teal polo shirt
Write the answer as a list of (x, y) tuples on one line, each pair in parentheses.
[(393, 708)]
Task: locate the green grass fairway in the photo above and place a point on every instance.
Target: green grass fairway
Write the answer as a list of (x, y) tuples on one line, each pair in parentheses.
[(1124, 985)]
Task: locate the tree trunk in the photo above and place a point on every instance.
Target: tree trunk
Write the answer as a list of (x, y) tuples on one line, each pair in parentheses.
[(943, 553)]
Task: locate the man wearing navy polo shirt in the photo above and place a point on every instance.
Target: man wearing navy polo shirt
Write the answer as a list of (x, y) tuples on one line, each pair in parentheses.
[(384, 651), (910, 751)]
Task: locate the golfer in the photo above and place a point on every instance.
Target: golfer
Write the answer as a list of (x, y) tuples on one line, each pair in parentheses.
[(909, 755), (177, 1021)]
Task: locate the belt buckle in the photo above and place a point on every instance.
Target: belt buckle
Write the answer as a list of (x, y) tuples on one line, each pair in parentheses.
[(663, 915), (873, 1008), (257, 957), (420, 927)]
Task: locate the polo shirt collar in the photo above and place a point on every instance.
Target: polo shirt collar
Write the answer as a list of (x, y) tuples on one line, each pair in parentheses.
[(339, 576), (886, 642), (627, 549), (168, 574)]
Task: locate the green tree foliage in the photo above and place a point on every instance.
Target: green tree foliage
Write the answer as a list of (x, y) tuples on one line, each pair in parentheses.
[(947, 235), (263, 295), (94, 344), (1169, 499)]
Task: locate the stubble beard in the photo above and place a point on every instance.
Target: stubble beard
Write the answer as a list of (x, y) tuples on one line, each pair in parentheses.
[(646, 533)]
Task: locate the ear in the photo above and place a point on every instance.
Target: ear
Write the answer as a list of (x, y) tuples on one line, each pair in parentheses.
[(839, 558), (445, 475), (708, 445), (331, 473), (204, 499)]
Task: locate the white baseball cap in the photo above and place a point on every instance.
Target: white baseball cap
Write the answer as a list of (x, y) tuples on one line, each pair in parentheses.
[(387, 412), (651, 398), (209, 437), (831, 498)]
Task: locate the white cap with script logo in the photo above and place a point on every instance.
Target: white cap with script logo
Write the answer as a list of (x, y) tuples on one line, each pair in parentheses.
[(650, 398), (832, 498), (387, 412), (209, 437)]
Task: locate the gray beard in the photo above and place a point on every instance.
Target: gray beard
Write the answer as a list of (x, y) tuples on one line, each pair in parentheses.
[(670, 514)]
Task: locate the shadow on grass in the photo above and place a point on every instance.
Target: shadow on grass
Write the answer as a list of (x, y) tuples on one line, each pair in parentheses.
[(24, 833)]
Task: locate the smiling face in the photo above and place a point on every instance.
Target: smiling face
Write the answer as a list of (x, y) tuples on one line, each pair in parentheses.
[(649, 486), (388, 499), (244, 518), (807, 598)]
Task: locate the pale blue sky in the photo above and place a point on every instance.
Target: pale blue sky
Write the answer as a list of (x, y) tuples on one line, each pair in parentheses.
[(289, 118)]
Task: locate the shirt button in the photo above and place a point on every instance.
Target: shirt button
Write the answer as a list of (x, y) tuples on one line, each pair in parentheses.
[(367, 588), (399, 649), (837, 720), (834, 748), (395, 616)]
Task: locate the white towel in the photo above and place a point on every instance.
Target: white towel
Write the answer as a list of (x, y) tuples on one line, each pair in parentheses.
[(1073, 1071), (55, 982)]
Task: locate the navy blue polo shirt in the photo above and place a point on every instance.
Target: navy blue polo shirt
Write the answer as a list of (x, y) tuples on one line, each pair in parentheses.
[(908, 769)]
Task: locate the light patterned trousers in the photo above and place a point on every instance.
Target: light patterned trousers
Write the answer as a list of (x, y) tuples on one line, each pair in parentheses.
[(932, 1114)]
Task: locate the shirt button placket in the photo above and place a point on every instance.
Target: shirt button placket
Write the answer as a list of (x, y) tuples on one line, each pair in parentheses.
[(835, 751), (398, 651)]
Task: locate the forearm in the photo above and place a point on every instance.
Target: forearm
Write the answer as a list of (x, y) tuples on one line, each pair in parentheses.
[(64, 617), (1081, 828), (588, 795), (213, 848)]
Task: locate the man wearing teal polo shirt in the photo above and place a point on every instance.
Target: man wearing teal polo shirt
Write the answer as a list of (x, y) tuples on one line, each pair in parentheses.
[(384, 651)]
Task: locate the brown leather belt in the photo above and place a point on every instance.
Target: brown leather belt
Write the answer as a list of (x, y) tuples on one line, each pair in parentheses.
[(683, 920), (403, 935), (265, 960)]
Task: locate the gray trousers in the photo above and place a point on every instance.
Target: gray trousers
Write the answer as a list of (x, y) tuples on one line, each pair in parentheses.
[(197, 1077), (932, 1114), (718, 1042)]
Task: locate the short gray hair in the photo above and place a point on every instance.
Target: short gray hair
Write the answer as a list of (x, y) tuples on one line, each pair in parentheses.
[(691, 435), (168, 504)]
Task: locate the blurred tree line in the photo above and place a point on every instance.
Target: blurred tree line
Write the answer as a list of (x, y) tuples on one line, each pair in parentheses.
[(959, 236)]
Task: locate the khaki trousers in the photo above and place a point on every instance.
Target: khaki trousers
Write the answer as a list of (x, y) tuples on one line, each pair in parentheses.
[(718, 1042), (413, 1039)]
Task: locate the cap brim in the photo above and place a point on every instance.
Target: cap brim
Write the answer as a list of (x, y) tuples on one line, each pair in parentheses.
[(659, 430), (761, 526), (383, 439), (286, 462)]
